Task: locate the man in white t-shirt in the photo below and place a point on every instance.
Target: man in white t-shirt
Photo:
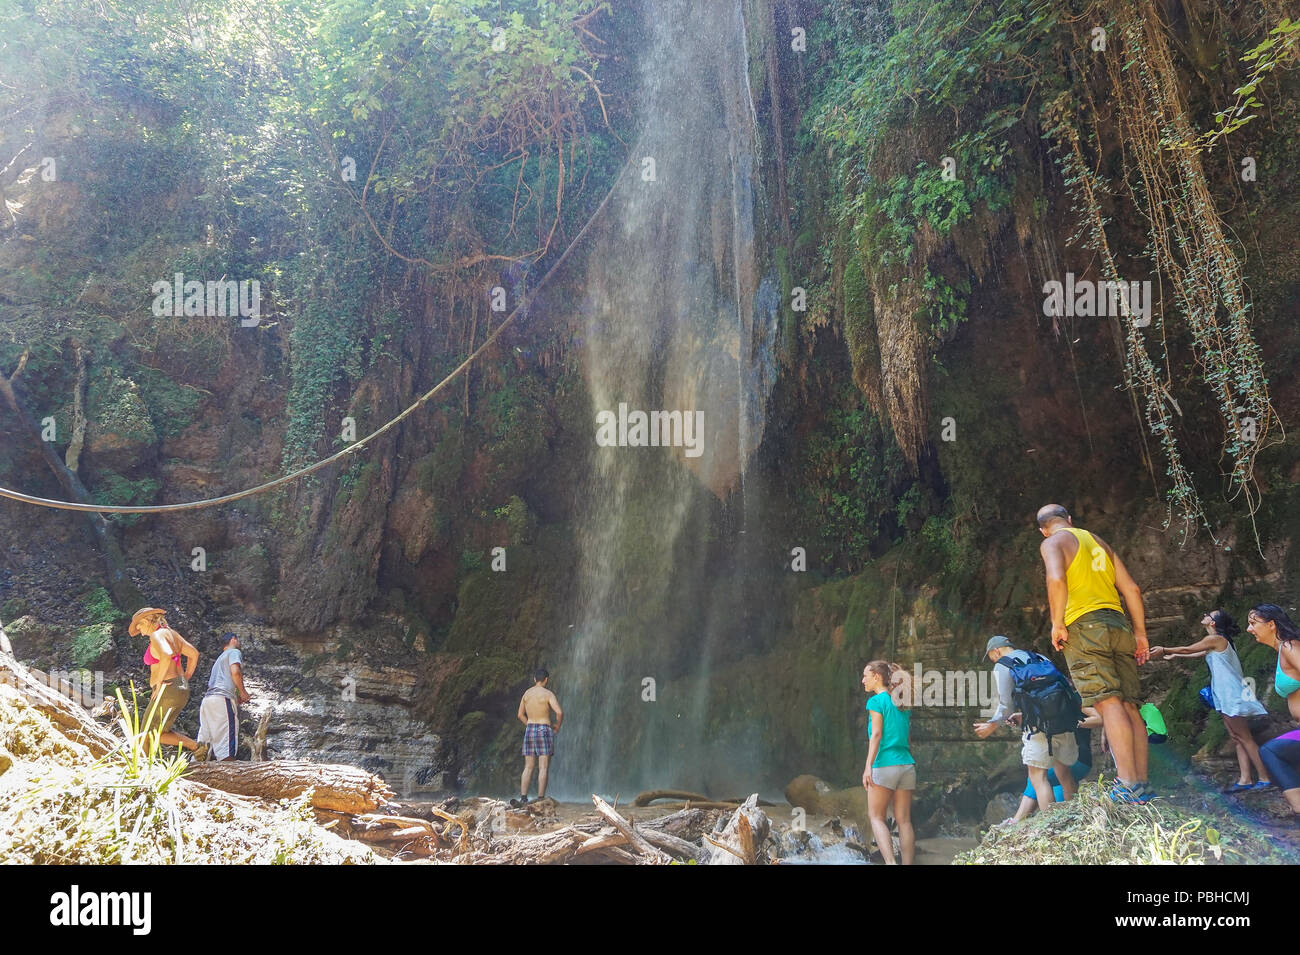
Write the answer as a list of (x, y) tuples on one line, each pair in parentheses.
[(219, 712)]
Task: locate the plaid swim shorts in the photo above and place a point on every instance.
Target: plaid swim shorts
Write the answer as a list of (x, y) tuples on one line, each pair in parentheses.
[(539, 740)]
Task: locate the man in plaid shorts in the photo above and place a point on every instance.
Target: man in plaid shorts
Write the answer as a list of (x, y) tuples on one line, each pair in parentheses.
[(539, 738)]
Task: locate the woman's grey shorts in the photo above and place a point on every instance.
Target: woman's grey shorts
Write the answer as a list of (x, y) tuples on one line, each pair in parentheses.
[(895, 777)]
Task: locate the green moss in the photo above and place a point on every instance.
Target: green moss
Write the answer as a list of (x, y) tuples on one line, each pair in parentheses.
[(439, 471), (13, 608), (91, 642), (109, 487), (116, 407), (171, 406), (99, 607), (520, 522), (860, 324)]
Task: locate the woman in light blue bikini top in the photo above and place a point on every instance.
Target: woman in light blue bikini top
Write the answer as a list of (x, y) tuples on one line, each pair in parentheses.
[(1271, 625)]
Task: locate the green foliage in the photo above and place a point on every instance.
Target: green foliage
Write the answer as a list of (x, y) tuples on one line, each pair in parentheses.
[(1092, 830), (115, 405), (850, 473), (520, 522), (933, 82), (109, 487), (1282, 42), (91, 642), (13, 608), (172, 405), (98, 607)]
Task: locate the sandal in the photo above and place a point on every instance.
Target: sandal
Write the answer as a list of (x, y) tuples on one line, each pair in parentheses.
[(1239, 788)]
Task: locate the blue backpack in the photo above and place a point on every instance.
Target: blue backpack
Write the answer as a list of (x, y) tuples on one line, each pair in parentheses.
[(1046, 700)]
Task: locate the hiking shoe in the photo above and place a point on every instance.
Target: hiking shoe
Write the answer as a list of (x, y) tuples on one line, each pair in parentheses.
[(1121, 793), (1145, 793)]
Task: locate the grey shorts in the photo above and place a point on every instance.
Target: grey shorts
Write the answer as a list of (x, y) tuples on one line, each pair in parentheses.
[(895, 777)]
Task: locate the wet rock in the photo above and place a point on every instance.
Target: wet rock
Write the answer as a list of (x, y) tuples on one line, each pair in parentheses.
[(1001, 806)]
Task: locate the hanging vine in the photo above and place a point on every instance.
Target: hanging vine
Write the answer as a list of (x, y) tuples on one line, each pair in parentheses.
[(1085, 188), (1187, 240)]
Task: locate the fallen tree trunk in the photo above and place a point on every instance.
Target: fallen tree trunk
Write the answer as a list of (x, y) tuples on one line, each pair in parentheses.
[(679, 806), (333, 786), (637, 840), (689, 824), (551, 848), (674, 846), (71, 718), (646, 798)]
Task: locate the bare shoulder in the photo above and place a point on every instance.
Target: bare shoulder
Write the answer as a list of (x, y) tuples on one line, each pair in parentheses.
[(1102, 544)]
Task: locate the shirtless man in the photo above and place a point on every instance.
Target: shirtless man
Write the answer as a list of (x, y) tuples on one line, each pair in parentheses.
[(1085, 580), (539, 738), (168, 680)]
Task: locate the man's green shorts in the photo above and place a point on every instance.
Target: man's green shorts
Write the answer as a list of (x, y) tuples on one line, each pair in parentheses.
[(1100, 653)]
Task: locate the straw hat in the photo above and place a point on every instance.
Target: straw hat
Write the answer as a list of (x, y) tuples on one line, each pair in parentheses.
[(145, 614)]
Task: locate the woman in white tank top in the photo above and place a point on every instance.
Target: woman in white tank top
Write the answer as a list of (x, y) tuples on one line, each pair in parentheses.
[(1232, 696)]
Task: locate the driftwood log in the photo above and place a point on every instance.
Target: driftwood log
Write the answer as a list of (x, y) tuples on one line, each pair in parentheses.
[(334, 786), (257, 745), (740, 841), (71, 718), (689, 824), (677, 795), (636, 839)]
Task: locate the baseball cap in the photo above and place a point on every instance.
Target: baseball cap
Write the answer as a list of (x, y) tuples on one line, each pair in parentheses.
[(995, 642)]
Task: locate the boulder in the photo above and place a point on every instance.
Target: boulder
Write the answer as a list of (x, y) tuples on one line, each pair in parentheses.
[(1001, 806), (819, 799), (35, 642)]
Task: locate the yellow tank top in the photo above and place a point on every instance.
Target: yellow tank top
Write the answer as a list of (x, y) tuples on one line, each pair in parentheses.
[(1091, 579)]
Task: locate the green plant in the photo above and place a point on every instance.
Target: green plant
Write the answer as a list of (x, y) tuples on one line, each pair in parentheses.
[(13, 608), (91, 642), (139, 756), (99, 607)]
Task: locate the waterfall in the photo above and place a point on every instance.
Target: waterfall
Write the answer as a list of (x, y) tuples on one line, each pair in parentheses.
[(676, 318)]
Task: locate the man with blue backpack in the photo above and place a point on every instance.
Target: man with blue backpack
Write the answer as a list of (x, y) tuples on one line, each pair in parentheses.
[(1049, 710)]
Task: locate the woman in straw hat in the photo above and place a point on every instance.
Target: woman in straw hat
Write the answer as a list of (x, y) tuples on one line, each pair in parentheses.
[(169, 681)]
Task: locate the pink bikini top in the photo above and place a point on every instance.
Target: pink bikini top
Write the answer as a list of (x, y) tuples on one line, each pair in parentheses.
[(150, 660)]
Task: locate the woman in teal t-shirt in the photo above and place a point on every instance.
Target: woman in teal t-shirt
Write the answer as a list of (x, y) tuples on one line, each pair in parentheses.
[(890, 773)]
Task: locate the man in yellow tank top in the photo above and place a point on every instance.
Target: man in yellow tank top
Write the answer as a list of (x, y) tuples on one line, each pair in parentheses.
[(1085, 581)]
